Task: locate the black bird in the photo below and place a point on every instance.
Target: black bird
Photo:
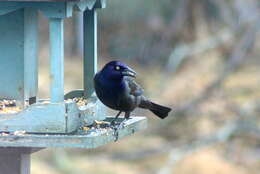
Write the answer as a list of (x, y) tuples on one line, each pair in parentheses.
[(116, 88)]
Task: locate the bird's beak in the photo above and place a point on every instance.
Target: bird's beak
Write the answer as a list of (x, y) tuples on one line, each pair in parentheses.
[(129, 72)]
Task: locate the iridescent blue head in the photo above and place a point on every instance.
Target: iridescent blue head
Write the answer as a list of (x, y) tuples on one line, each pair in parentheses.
[(117, 70)]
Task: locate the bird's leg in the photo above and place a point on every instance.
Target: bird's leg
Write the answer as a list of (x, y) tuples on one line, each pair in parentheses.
[(116, 117), (127, 116), (113, 123)]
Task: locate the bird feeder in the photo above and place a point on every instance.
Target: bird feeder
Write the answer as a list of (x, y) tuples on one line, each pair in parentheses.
[(58, 121)]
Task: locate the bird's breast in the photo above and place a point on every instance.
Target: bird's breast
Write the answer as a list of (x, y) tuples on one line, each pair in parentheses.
[(109, 92)]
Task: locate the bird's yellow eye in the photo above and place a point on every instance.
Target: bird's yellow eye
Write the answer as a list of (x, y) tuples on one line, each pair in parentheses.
[(117, 67)]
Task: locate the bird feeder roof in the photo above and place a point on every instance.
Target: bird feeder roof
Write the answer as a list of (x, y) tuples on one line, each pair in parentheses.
[(43, 0)]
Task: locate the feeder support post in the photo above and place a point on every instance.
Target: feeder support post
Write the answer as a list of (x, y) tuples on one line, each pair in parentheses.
[(15, 163), (90, 50), (16, 160), (31, 54), (57, 59)]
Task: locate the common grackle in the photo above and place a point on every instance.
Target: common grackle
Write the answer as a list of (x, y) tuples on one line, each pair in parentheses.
[(116, 88)]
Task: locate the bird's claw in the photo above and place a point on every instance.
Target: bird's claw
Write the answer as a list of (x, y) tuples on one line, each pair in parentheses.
[(115, 133), (116, 126), (113, 123), (122, 125)]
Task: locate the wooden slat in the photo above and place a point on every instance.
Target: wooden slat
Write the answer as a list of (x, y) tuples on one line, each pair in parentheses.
[(12, 48), (30, 54), (90, 50), (42, 0), (83, 139), (57, 59)]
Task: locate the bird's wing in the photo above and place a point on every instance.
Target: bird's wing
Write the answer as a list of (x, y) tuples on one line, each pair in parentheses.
[(135, 89)]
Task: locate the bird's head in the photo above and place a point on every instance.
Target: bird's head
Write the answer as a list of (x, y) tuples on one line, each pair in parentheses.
[(117, 70)]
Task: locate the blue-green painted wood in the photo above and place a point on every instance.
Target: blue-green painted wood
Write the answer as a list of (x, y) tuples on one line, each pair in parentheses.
[(52, 9), (43, 117), (94, 110), (30, 52), (58, 117), (82, 139), (57, 59), (90, 50), (74, 94), (100, 4), (11, 57), (84, 5), (36, 118), (73, 117), (49, 9), (6, 7)]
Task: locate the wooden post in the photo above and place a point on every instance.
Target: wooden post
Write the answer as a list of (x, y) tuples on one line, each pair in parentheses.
[(30, 54), (12, 56), (77, 46), (15, 160), (57, 60), (90, 50)]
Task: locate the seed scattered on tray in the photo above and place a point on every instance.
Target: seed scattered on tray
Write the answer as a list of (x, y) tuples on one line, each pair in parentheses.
[(4, 134), (101, 122), (80, 101), (85, 128), (8, 107), (99, 125), (19, 133), (46, 102)]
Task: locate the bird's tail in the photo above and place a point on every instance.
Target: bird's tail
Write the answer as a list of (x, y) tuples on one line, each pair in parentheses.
[(159, 110)]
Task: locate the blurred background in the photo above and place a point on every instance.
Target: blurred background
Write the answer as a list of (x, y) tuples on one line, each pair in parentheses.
[(200, 57)]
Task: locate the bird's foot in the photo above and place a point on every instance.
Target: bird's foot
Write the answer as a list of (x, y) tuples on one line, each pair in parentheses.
[(114, 123), (115, 133), (116, 126), (101, 124), (122, 124)]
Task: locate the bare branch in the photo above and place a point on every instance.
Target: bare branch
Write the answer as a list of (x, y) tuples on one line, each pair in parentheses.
[(178, 20), (236, 59), (184, 51)]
